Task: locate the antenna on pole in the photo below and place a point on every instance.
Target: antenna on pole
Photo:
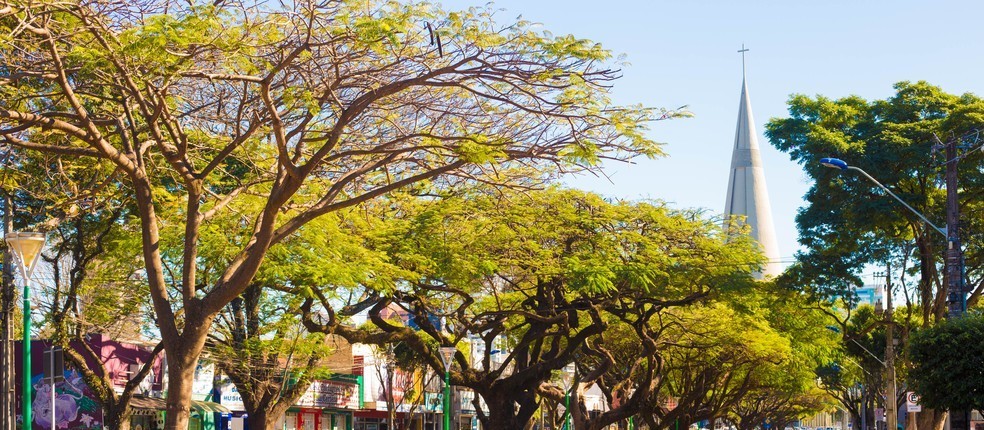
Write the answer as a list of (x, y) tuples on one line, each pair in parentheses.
[(742, 51)]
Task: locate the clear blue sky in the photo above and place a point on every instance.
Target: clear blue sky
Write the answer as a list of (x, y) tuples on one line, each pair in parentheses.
[(684, 53)]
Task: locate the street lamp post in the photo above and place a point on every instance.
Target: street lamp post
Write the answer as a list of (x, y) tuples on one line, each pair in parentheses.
[(27, 247), (956, 296), (841, 164), (567, 376), (447, 354)]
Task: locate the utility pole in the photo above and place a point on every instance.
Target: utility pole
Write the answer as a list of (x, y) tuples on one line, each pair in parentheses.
[(8, 406), (955, 295), (891, 394)]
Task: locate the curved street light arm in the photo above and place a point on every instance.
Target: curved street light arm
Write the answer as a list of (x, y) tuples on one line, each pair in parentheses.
[(910, 208)]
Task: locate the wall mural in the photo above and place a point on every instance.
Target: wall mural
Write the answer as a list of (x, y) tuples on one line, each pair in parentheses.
[(75, 408)]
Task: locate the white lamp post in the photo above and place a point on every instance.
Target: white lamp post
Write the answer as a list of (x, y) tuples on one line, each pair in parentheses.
[(27, 247)]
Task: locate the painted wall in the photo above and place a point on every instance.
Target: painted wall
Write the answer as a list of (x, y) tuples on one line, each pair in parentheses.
[(75, 405)]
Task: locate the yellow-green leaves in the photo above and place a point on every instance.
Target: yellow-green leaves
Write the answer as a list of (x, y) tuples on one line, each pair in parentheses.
[(581, 153), (480, 150), (164, 41), (583, 49)]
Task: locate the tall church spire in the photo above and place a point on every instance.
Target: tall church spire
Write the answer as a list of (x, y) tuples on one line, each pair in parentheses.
[(748, 196)]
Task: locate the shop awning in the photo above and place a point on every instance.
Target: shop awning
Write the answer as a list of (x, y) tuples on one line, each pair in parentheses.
[(209, 407), (149, 405)]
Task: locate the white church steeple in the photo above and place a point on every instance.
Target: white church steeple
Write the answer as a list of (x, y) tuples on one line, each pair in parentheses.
[(748, 195)]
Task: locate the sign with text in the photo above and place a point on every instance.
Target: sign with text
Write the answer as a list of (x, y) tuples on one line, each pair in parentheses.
[(912, 402), (330, 394), (230, 396)]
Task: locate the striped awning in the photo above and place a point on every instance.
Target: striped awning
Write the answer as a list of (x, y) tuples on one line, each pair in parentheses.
[(142, 405)]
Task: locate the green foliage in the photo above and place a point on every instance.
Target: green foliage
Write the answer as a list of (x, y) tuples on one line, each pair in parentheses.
[(550, 275), (948, 363), (850, 223), (597, 247), (246, 133)]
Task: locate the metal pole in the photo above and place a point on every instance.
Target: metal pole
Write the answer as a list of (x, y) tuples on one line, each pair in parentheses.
[(51, 377), (899, 199), (567, 410), (447, 400), (892, 415), (391, 398), (26, 349), (8, 403)]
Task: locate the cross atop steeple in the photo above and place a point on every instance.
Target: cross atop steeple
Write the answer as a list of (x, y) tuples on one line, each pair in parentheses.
[(742, 51)]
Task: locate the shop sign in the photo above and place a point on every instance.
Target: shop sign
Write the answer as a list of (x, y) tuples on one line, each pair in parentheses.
[(330, 394)]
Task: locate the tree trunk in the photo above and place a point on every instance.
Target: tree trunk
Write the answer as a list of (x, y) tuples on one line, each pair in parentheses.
[(182, 359), (262, 419), (502, 413), (931, 419), (117, 417), (180, 380)]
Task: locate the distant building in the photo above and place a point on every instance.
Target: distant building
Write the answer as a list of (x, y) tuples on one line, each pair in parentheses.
[(870, 295)]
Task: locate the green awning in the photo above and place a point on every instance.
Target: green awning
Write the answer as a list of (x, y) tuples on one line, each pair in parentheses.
[(209, 407), (142, 403)]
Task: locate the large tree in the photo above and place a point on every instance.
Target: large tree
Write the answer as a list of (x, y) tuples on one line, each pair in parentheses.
[(302, 109), (259, 341), (786, 391), (261, 346), (850, 223), (947, 363), (88, 267), (539, 277)]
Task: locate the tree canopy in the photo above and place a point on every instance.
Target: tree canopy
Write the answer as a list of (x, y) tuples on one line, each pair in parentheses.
[(274, 116), (947, 361), (850, 223), (637, 294)]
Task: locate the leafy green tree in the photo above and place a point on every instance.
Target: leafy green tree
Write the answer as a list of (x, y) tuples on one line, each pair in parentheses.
[(537, 276), (854, 377), (263, 349), (849, 222), (947, 361), (715, 357), (259, 341), (776, 406), (787, 391), (282, 115), (88, 286)]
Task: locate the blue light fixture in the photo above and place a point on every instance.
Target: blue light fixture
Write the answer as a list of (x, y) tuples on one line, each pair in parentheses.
[(834, 162)]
